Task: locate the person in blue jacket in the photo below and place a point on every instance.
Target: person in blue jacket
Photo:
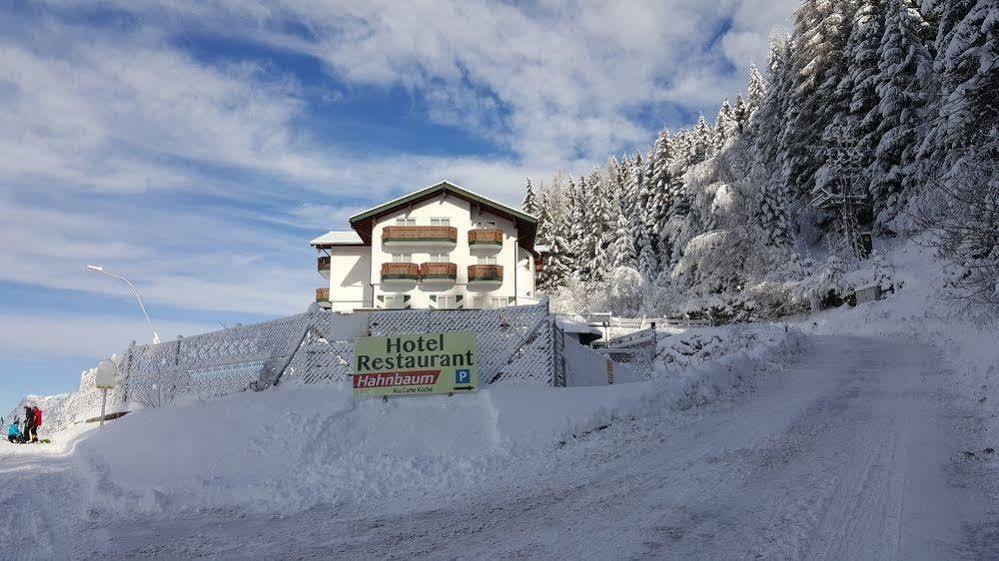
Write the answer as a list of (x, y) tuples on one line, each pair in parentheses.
[(14, 435)]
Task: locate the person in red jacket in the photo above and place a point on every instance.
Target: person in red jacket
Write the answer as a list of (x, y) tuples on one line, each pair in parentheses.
[(38, 423)]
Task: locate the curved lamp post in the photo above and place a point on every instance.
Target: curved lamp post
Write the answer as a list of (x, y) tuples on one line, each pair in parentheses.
[(99, 269)]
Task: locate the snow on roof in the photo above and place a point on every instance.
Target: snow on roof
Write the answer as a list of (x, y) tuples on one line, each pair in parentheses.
[(338, 237), (570, 325), (541, 249)]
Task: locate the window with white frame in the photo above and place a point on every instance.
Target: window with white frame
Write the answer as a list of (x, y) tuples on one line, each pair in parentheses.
[(395, 302), (448, 301), (487, 259), (497, 302), (402, 257), (443, 257), (405, 221), (440, 221)]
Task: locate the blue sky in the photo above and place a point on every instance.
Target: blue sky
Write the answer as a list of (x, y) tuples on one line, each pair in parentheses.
[(197, 146)]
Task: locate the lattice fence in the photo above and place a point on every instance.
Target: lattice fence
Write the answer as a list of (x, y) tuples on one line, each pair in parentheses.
[(515, 344)]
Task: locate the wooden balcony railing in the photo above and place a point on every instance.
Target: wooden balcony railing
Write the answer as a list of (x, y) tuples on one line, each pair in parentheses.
[(485, 273), (323, 264), (323, 294), (400, 271), (416, 235), (438, 271), (485, 237)]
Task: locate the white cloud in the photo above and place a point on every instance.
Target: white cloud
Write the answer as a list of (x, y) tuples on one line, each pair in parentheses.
[(107, 129)]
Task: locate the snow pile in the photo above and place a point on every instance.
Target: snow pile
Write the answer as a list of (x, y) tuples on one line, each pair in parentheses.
[(289, 449), (699, 345)]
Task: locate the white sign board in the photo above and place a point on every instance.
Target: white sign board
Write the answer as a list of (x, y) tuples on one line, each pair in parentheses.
[(106, 371)]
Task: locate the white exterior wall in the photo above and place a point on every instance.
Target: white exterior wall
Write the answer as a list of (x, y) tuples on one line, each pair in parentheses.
[(459, 212), (350, 278)]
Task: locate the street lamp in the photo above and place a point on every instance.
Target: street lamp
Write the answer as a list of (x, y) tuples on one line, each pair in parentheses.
[(99, 269)]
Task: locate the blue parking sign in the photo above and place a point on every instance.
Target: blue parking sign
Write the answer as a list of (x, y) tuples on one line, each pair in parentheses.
[(462, 376)]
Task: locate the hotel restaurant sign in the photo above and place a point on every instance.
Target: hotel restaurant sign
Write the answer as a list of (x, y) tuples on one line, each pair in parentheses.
[(429, 363)]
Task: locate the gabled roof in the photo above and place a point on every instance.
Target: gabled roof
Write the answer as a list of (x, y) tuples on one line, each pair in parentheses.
[(428, 192), (348, 237), (527, 225)]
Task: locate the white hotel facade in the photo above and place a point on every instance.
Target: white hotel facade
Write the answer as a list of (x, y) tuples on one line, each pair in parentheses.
[(440, 247)]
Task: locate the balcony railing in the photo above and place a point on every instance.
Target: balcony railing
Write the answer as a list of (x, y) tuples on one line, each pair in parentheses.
[(485, 238), (400, 272), (438, 271), (322, 295), (323, 265), (420, 235), (485, 274)]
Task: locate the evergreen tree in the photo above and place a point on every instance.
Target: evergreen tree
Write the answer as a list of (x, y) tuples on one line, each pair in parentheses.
[(772, 198), (741, 113), (645, 245), (552, 229), (530, 205), (757, 89), (816, 60), (726, 124), (855, 126), (703, 145), (904, 70)]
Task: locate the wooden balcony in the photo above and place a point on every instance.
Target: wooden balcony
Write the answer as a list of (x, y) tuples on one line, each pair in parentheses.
[(406, 272), (323, 265), (438, 272), (485, 238), (409, 236), (485, 275), (323, 295)]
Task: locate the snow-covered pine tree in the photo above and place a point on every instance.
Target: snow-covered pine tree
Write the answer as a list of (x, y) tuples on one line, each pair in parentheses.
[(658, 184), (703, 141), (726, 124), (621, 251), (552, 226), (741, 113), (757, 89), (904, 65), (766, 125), (855, 125), (967, 65), (530, 204), (645, 244), (605, 210), (821, 28), (576, 226)]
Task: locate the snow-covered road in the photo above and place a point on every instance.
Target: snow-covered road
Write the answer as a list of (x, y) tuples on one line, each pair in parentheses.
[(852, 452)]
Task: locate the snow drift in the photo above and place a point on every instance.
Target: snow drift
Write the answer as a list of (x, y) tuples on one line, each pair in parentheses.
[(289, 449)]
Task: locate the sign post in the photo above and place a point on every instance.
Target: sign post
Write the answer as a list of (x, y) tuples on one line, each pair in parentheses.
[(104, 380), (425, 364)]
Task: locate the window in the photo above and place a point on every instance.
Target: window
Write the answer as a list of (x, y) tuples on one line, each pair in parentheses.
[(402, 257), (395, 302), (440, 221), (498, 302), (485, 224), (487, 260), (440, 257), (405, 222), (446, 302)]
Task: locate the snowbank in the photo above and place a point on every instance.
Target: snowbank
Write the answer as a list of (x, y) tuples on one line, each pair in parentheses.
[(289, 449)]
